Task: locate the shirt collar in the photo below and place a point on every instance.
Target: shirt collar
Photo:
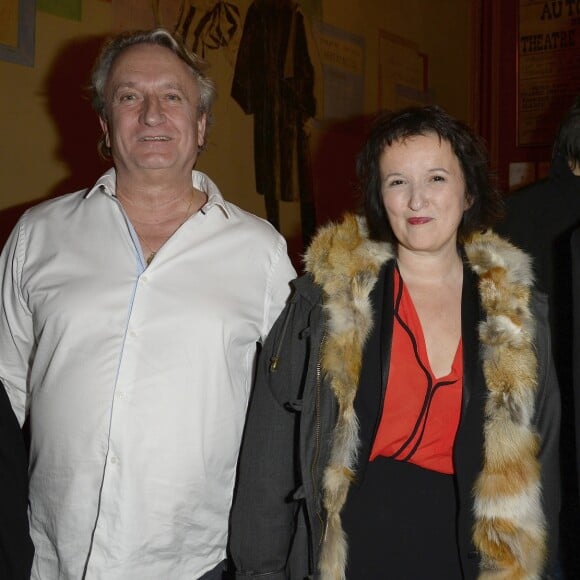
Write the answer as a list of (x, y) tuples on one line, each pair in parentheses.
[(106, 185)]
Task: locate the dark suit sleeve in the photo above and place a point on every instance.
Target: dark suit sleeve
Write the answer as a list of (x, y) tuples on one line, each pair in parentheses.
[(575, 248), (16, 549), (547, 423)]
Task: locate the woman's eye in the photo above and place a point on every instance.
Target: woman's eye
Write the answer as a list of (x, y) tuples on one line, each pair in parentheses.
[(395, 182), (438, 178)]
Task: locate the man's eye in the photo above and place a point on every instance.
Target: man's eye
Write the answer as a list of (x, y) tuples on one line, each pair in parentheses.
[(173, 97), (125, 98)]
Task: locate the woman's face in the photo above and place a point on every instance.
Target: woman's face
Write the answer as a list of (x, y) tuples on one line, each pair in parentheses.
[(423, 193)]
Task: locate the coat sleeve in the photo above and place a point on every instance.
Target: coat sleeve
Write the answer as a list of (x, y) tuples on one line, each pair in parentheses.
[(265, 503), (547, 423)]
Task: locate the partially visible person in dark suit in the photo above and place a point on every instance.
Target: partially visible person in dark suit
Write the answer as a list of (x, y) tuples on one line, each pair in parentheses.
[(16, 549), (575, 247), (540, 219)]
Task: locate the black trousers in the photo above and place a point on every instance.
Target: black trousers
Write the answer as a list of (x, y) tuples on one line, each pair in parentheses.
[(16, 549)]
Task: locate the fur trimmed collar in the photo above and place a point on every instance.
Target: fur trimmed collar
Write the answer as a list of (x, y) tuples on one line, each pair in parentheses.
[(509, 527)]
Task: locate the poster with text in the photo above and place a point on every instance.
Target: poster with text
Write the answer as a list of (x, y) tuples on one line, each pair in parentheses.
[(548, 67)]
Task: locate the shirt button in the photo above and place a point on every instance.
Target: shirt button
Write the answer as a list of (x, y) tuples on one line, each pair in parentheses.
[(132, 333), (114, 460), (144, 279)]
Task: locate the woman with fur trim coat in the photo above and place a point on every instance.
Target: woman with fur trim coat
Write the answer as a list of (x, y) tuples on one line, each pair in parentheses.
[(405, 417)]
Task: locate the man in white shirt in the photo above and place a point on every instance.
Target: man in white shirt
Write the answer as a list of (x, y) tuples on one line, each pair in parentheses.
[(129, 321)]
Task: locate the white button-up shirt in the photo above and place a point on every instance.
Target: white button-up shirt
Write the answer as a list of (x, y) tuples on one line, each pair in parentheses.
[(136, 379)]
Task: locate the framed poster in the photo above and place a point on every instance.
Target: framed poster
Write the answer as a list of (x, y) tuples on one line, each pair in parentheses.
[(17, 27), (403, 73), (548, 68), (342, 55)]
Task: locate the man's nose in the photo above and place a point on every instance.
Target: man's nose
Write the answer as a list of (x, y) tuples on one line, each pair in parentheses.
[(152, 113)]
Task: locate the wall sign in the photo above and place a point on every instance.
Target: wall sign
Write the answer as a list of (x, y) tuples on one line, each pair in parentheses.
[(548, 67)]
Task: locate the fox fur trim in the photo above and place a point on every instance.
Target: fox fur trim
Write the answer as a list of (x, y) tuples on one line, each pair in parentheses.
[(509, 529)]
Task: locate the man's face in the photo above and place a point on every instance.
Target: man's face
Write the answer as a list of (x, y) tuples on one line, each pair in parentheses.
[(152, 121)]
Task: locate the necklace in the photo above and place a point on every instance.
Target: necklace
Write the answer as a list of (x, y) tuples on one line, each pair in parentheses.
[(151, 252)]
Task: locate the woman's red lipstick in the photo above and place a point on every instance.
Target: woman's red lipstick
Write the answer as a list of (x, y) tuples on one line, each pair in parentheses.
[(417, 221)]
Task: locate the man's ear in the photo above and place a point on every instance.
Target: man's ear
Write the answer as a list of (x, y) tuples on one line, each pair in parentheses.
[(201, 127), (105, 128)]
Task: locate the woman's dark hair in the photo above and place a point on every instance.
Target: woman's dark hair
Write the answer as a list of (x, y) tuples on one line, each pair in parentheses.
[(567, 143), (486, 202)]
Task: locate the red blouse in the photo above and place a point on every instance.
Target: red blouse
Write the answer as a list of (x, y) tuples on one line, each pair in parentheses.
[(421, 412)]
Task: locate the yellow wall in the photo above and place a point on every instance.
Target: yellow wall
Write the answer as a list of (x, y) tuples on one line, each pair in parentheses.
[(38, 158), (30, 166)]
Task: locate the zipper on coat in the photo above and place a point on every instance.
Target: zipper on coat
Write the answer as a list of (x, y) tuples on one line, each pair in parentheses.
[(275, 358), (314, 467)]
